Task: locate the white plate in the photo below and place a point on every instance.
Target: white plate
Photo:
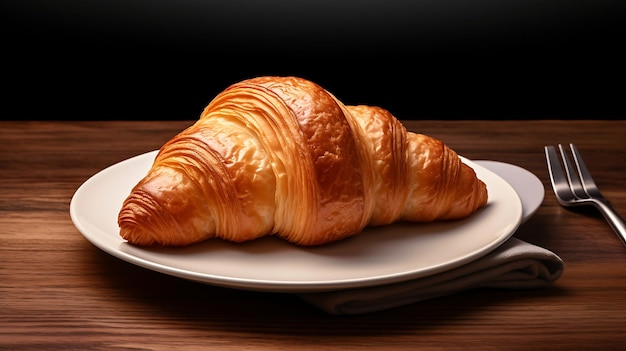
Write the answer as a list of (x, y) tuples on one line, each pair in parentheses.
[(376, 256)]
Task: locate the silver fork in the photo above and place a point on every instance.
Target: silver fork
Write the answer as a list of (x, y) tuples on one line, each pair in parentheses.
[(575, 187)]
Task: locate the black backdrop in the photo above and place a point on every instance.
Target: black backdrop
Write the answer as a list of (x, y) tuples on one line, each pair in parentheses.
[(423, 59)]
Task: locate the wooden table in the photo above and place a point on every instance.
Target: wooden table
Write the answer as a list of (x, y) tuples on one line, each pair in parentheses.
[(58, 291)]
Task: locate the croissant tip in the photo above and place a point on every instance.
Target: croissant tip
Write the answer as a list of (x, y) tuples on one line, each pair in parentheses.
[(135, 236)]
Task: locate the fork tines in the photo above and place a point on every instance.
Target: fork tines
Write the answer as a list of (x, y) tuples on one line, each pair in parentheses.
[(580, 180)]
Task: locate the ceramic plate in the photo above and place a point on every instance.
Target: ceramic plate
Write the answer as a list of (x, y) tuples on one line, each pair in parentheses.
[(376, 256)]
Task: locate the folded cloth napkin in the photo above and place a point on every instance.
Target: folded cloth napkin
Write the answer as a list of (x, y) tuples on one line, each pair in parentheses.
[(516, 264)]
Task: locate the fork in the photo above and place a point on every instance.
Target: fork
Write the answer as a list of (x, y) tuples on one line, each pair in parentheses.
[(576, 187)]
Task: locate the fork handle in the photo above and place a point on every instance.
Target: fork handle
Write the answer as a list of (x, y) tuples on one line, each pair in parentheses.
[(614, 219)]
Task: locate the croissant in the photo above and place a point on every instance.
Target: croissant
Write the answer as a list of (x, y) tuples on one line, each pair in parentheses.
[(282, 156)]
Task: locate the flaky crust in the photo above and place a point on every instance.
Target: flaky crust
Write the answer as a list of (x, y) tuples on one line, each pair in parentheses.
[(282, 156)]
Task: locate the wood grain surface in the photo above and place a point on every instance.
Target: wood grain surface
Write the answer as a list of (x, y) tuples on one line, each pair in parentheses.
[(59, 292)]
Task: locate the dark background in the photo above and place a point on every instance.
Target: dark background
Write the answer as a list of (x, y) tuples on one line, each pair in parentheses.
[(428, 59)]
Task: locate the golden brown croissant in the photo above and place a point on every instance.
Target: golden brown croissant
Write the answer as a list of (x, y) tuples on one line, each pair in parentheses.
[(282, 156)]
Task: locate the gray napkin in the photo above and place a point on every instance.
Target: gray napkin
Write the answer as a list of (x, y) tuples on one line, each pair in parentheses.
[(516, 264)]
